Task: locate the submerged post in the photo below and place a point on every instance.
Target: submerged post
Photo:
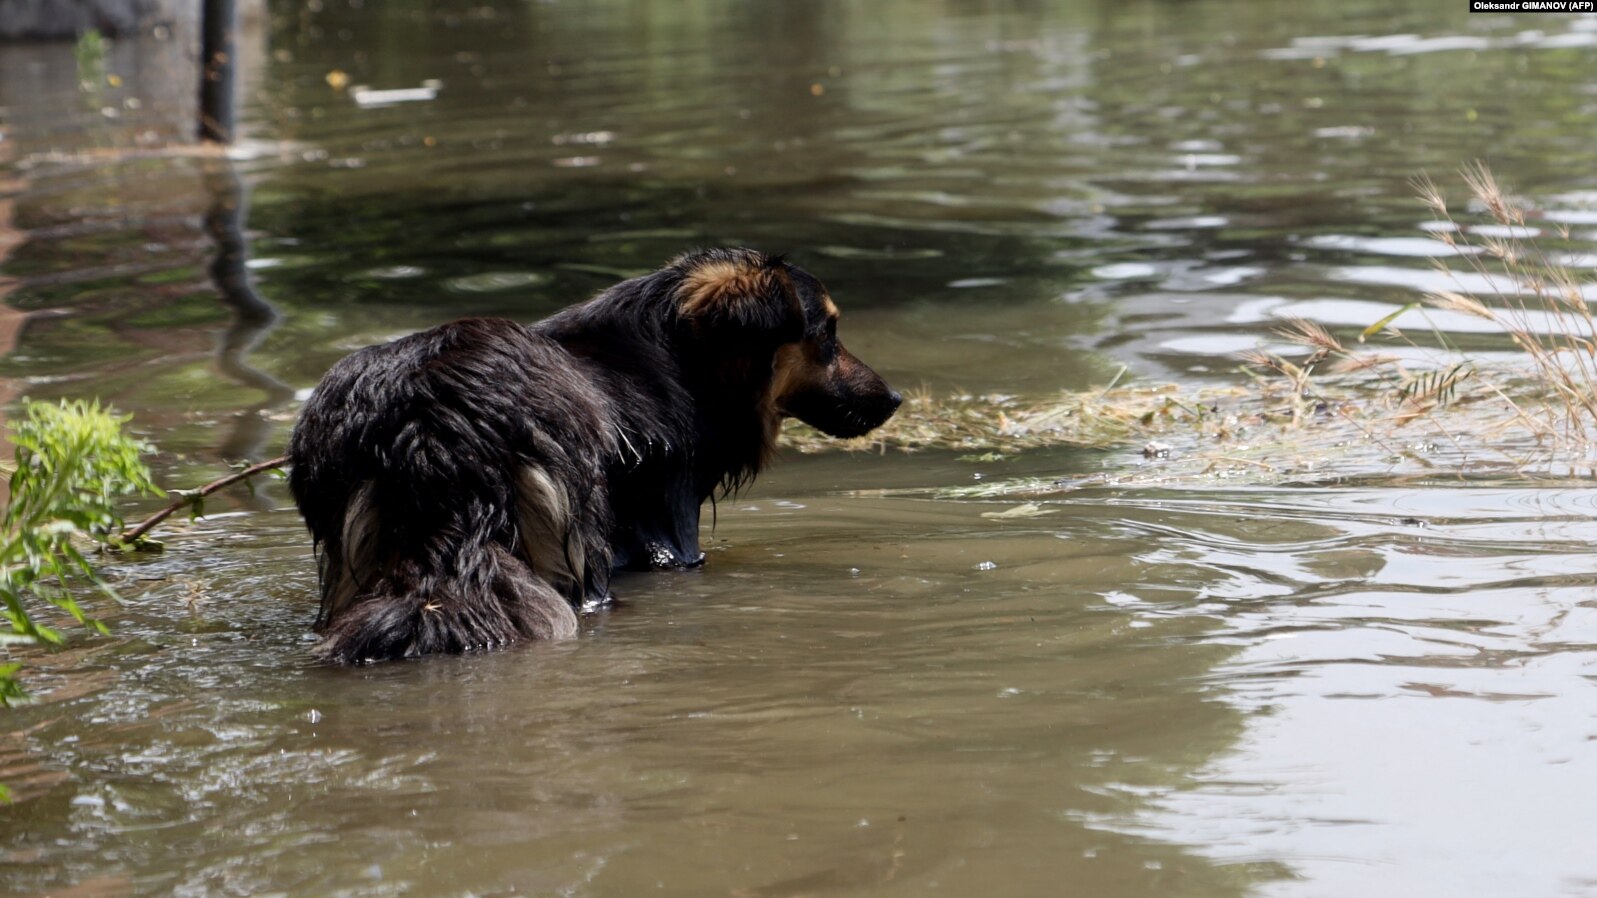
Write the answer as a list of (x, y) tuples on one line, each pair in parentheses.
[(218, 63)]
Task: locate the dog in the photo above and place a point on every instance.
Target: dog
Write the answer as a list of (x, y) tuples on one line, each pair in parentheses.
[(474, 485)]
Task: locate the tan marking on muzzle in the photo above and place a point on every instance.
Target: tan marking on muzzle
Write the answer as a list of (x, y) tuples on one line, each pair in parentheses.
[(793, 369)]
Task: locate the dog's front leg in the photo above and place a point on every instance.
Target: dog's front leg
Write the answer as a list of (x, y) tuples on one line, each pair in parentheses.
[(657, 528)]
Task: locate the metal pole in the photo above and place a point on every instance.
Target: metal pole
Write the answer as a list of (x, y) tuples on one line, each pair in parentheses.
[(219, 22)]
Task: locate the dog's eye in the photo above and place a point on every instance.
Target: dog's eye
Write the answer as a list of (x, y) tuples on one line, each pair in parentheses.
[(831, 328)]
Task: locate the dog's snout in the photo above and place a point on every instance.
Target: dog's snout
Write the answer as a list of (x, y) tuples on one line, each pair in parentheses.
[(894, 400)]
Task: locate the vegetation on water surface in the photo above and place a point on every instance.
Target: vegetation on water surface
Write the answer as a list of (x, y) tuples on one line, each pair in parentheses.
[(1315, 398)]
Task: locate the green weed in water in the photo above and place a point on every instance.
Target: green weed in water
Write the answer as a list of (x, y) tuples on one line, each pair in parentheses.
[(90, 52), (73, 462)]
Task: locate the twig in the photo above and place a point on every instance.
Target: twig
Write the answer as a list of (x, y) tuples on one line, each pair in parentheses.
[(1236, 460), (186, 498)]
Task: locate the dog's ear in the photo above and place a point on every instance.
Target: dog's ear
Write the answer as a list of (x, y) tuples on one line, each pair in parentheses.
[(740, 295)]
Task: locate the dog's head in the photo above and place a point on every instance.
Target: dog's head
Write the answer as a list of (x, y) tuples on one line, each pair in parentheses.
[(777, 319)]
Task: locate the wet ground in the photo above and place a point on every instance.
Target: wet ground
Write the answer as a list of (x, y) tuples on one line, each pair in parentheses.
[(1378, 683)]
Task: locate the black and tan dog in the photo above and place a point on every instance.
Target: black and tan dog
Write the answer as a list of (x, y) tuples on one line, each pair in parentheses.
[(474, 485)]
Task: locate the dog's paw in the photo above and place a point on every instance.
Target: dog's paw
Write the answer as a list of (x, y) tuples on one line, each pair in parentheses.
[(662, 558)]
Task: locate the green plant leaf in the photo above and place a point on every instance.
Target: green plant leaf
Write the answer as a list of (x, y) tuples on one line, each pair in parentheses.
[(1379, 326), (73, 461)]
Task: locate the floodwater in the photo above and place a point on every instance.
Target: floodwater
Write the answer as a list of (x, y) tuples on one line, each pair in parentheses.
[(1376, 684)]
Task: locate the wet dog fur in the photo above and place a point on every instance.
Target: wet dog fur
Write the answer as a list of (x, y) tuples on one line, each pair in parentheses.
[(474, 485)]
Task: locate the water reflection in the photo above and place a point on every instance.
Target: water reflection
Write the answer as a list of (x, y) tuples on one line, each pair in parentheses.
[(1431, 642), (639, 755)]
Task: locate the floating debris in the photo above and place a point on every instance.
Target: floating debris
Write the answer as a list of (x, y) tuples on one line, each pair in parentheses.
[(992, 427), (1029, 510), (368, 98), (1270, 430)]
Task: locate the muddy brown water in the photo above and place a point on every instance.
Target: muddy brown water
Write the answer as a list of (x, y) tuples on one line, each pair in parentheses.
[(1379, 682)]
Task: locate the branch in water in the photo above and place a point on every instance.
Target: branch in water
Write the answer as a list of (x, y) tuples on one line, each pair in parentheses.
[(187, 498)]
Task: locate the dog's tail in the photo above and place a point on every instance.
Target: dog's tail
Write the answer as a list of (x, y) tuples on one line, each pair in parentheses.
[(484, 597)]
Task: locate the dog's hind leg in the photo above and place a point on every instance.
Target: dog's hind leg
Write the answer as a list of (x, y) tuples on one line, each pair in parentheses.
[(547, 534), (351, 557)]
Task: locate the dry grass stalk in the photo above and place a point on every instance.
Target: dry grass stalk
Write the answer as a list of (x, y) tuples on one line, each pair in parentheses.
[(1546, 315)]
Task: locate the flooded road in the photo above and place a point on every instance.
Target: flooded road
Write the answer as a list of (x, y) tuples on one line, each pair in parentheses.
[(1382, 682)]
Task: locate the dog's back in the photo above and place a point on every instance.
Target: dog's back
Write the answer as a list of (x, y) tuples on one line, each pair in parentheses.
[(449, 481)]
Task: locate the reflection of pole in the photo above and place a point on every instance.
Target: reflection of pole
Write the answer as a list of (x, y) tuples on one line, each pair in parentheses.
[(253, 316), (217, 66), (224, 221)]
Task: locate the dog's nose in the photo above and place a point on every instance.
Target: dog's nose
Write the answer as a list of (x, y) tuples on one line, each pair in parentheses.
[(894, 399)]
